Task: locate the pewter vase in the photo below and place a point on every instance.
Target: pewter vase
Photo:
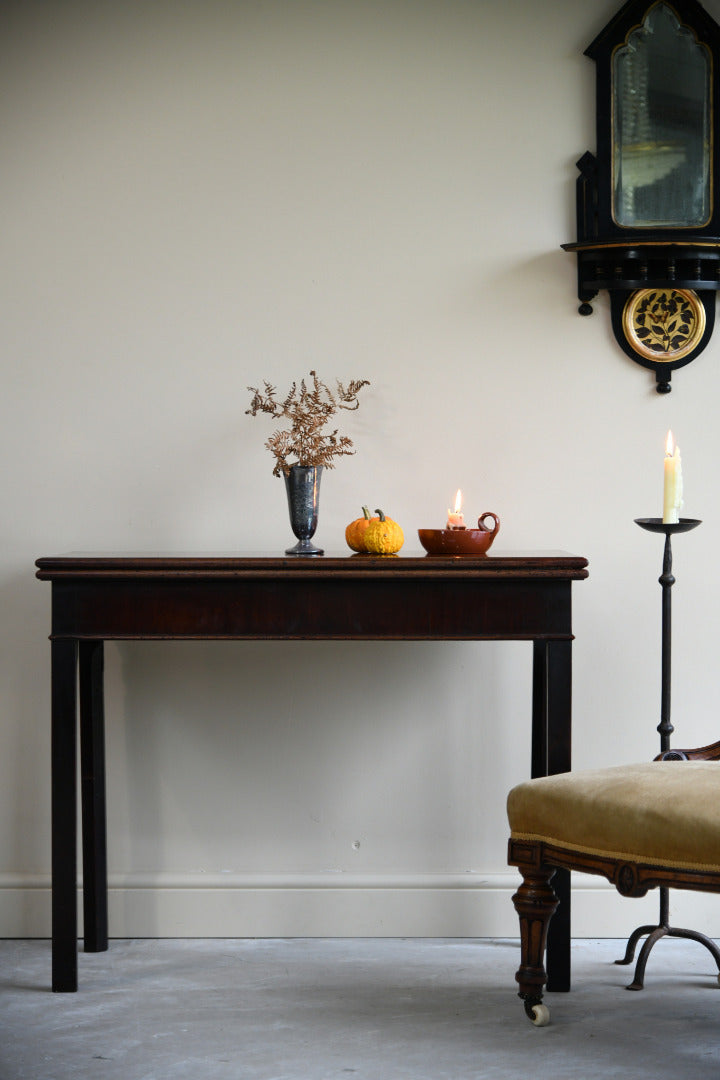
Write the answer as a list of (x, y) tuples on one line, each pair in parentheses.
[(302, 485)]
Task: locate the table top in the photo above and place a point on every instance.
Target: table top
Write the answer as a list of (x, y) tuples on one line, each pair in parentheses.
[(170, 565)]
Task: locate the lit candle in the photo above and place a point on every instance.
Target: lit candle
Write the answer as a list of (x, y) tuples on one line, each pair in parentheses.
[(455, 519), (673, 488)]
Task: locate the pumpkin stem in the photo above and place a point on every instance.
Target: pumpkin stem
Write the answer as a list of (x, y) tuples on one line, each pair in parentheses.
[(366, 513), (380, 515)]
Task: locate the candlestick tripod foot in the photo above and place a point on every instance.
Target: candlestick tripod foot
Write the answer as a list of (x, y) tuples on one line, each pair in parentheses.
[(655, 933)]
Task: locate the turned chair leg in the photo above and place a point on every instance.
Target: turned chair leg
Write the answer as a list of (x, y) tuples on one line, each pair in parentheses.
[(535, 903)]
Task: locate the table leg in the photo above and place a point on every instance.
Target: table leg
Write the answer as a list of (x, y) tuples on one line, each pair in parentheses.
[(64, 815), (551, 753), (92, 768), (539, 746)]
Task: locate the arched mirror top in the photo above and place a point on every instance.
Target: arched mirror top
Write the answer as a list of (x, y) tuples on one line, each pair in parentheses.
[(662, 109)]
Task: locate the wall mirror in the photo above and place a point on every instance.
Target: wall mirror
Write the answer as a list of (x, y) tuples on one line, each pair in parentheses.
[(648, 209)]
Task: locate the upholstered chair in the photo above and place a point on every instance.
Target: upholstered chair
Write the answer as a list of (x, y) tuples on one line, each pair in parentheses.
[(653, 825)]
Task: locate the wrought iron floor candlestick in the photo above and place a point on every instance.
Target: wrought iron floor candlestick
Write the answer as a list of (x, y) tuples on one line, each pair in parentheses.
[(665, 729)]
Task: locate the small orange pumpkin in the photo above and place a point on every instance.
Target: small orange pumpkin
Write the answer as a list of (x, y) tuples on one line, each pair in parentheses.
[(383, 536), (355, 532)]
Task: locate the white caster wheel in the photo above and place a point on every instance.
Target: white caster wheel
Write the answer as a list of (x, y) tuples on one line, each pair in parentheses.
[(540, 1015)]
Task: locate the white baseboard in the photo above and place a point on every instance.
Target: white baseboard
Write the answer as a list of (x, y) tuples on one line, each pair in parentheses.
[(339, 905)]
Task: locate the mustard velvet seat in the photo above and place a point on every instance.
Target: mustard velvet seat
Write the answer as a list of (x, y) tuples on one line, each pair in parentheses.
[(640, 826), (657, 812)]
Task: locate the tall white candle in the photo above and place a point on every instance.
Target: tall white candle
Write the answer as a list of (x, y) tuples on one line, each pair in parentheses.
[(673, 486)]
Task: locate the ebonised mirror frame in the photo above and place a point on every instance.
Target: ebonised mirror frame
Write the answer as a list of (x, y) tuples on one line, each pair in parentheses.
[(648, 201)]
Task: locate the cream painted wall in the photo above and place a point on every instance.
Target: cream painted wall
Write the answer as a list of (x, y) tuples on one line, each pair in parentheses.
[(200, 195)]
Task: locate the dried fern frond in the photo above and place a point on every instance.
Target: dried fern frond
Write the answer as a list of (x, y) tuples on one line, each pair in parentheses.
[(308, 408)]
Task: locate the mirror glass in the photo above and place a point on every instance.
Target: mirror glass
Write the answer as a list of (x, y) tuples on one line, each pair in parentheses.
[(661, 125)]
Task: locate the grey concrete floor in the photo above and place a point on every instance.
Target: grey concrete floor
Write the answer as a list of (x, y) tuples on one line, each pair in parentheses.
[(352, 1010)]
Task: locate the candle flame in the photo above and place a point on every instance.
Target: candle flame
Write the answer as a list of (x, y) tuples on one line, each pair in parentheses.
[(669, 444), (458, 501)]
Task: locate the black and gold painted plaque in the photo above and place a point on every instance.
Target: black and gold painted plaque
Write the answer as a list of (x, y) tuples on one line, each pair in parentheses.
[(664, 325)]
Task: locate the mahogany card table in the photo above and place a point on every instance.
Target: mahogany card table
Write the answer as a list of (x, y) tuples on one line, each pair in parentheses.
[(98, 598)]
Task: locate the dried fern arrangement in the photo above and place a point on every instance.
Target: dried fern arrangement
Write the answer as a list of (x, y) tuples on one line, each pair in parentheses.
[(308, 407)]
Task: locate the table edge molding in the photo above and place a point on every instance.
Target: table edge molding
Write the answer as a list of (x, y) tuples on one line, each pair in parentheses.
[(127, 568)]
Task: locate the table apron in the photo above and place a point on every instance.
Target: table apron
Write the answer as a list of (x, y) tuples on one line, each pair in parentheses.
[(391, 609)]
